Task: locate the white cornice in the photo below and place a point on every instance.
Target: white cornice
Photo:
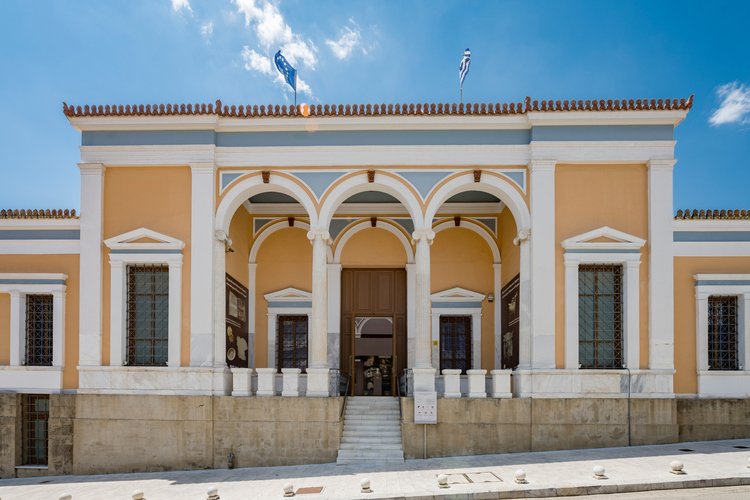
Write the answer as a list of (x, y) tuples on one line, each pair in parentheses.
[(711, 225), (381, 122), (374, 208), (59, 224)]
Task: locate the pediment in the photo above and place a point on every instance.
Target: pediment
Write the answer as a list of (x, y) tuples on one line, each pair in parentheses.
[(603, 238), (288, 294), (457, 295), (144, 239)]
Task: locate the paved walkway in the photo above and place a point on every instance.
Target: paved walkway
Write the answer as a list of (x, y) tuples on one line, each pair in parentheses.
[(643, 468)]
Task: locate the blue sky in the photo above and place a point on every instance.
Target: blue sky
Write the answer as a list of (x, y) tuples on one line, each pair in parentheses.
[(179, 51)]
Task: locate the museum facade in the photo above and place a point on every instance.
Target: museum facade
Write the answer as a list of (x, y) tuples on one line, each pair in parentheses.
[(501, 255)]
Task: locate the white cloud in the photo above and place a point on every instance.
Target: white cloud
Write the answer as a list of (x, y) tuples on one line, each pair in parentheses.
[(179, 5), (207, 30), (347, 42), (735, 104), (274, 33)]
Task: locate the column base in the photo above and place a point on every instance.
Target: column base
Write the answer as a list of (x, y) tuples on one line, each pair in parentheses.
[(585, 383), (424, 379), (317, 382)]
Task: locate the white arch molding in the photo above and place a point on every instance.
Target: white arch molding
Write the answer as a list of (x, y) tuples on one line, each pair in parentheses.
[(472, 226), (274, 227), (488, 184), (358, 184), (254, 185), (367, 224)]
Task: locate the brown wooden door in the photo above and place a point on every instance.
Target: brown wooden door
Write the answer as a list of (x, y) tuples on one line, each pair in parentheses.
[(373, 292)]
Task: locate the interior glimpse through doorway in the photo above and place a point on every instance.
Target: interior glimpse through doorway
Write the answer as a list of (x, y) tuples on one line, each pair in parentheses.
[(373, 329)]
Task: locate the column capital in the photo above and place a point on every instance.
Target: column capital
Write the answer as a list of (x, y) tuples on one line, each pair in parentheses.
[(419, 234), (220, 235), (661, 164), (542, 165), (523, 235), (92, 168), (321, 234), (207, 167)]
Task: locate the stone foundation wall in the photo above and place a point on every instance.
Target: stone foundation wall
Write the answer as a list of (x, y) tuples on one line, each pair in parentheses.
[(487, 426), (100, 434)]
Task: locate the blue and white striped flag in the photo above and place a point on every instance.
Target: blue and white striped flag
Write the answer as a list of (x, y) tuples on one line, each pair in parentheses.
[(463, 68)]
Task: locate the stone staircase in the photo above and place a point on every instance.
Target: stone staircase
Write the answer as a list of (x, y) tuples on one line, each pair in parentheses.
[(372, 431)]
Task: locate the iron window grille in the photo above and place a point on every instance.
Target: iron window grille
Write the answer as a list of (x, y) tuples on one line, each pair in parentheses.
[(455, 343), (39, 330), (600, 316), (35, 429), (722, 333), (292, 337), (148, 315)]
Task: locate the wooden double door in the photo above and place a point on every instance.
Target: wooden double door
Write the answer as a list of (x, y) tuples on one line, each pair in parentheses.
[(373, 329)]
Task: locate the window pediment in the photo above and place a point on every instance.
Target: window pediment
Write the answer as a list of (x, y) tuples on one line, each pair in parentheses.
[(288, 295), (144, 239), (457, 294), (605, 238)]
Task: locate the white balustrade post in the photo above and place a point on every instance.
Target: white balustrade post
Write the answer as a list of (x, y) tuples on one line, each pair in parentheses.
[(290, 387), (318, 371), (424, 372), (91, 267), (477, 386), (501, 383), (266, 381), (452, 382)]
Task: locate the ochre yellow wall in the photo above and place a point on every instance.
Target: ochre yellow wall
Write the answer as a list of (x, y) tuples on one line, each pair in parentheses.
[(373, 247), (157, 198), (239, 232), (460, 257), (4, 328), (66, 264), (588, 197), (509, 253), (284, 260), (685, 362)]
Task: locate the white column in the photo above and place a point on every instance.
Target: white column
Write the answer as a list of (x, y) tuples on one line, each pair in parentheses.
[(222, 378), (743, 344), (334, 315), (202, 245), (631, 328), (476, 341), (498, 317), (661, 279), (58, 329), (435, 329), (524, 306), (571, 315), (542, 184), (17, 328), (317, 373), (411, 320), (251, 314), (91, 264), (701, 331), (175, 314), (117, 315), (424, 372), (273, 354)]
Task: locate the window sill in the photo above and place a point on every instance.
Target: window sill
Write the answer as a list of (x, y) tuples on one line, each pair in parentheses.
[(37, 467)]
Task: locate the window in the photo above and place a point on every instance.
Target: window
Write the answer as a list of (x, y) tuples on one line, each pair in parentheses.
[(600, 316), (35, 431), (722, 333), (292, 342), (39, 330), (148, 314), (455, 343)]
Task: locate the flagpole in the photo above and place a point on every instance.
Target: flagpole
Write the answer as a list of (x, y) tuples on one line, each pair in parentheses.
[(295, 89)]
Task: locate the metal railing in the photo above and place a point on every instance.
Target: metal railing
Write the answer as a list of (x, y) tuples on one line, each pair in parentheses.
[(344, 377), (404, 374)]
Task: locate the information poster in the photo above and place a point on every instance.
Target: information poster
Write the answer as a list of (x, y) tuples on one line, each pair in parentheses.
[(425, 407), (236, 324), (510, 321)]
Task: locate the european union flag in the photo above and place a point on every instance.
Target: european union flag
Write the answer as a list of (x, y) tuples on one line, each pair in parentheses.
[(290, 74)]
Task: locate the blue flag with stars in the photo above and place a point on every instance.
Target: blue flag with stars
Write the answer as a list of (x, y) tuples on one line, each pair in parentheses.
[(289, 73)]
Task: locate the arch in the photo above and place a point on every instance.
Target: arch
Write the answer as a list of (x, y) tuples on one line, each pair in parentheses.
[(490, 183), (358, 183), (252, 185), (472, 226), (366, 224), (277, 226)]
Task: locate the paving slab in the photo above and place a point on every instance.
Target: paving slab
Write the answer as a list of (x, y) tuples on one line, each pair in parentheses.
[(549, 474)]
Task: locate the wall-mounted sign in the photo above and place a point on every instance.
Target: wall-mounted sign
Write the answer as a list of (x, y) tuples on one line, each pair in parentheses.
[(236, 323), (511, 309), (425, 407)]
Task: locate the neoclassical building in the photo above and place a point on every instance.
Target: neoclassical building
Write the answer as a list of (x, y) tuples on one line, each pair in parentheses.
[(235, 271)]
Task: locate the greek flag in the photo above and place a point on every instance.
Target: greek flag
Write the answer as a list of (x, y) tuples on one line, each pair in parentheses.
[(463, 68), (289, 73)]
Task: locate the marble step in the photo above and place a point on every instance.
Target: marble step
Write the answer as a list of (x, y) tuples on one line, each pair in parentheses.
[(371, 447), (372, 454), (371, 439), (368, 434), (382, 427)]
